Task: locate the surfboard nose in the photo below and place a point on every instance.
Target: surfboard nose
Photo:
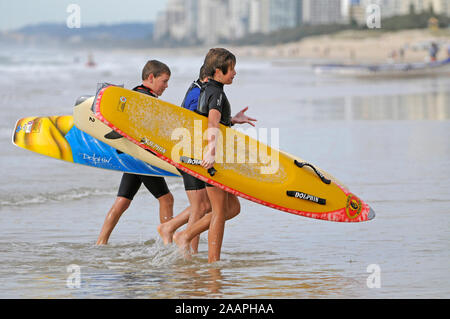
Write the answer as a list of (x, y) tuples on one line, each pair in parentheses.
[(371, 214)]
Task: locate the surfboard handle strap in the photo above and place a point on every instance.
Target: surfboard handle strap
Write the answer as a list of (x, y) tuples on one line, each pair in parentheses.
[(101, 86), (187, 160), (319, 174), (113, 135), (308, 197)]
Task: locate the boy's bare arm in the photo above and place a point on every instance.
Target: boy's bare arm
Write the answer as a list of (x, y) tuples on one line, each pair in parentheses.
[(213, 130)]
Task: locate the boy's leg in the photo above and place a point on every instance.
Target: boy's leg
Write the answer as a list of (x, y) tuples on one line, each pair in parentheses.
[(118, 208), (167, 229), (183, 238), (199, 203), (234, 207), (219, 204), (129, 186), (200, 206), (157, 186), (165, 207)]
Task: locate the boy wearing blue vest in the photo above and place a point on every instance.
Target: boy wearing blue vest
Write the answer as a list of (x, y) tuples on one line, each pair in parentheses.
[(195, 188)]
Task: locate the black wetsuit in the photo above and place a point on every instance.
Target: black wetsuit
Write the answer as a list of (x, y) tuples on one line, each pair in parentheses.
[(130, 183), (213, 97)]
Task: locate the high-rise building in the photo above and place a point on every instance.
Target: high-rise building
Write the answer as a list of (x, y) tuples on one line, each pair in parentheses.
[(356, 9), (282, 14), (446, 7), (437, 6), (161, 27), (388, 8), (401, 7), (357, 13), (177, 21), (213, 22), (298, 12), (238, 18), (266, 16), (210, 21), (259, 19), (322, 11), (254, 16)]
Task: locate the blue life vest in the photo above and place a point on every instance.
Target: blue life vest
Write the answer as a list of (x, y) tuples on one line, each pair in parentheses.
[(190, 101)]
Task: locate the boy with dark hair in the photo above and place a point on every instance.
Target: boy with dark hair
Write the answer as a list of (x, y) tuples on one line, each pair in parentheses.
[(155, 78), (219, 65)]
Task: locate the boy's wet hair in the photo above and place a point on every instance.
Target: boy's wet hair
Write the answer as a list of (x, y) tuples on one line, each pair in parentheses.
[(202, 73), (218, 58), (154, 67)]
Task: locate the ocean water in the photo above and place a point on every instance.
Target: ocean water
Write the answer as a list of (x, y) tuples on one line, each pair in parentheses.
[(386, 139)]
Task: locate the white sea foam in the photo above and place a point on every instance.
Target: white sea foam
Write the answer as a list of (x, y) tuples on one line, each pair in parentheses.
[(14, 200)]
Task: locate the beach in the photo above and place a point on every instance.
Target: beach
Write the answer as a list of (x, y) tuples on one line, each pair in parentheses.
[(369, 46), (386, 139), (365, 46)]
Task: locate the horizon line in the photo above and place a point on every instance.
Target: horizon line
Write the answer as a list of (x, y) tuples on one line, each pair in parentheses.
[(87, 25)]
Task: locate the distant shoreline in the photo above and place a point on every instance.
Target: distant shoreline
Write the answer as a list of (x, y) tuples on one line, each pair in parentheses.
[(367, 46)]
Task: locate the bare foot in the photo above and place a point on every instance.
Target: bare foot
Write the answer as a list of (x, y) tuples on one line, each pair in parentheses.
[(182, 243), (166, 233)]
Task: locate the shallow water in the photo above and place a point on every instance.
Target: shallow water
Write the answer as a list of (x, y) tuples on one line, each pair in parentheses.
[(387, 140)]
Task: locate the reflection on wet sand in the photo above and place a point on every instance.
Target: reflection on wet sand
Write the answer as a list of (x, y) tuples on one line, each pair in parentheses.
[(199, 282), (426, 106), (289, 284), (245, 277)]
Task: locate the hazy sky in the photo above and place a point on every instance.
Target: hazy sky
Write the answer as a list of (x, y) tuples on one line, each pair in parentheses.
[(15, 14)]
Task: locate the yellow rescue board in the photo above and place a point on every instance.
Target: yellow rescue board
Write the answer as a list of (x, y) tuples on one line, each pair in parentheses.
[(244, 166)]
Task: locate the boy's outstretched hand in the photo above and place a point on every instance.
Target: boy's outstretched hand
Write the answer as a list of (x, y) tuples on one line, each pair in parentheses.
[(241, 118)]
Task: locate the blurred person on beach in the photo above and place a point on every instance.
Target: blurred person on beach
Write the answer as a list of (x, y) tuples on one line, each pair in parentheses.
[(90, 61), (155, 78), (434, 49)]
